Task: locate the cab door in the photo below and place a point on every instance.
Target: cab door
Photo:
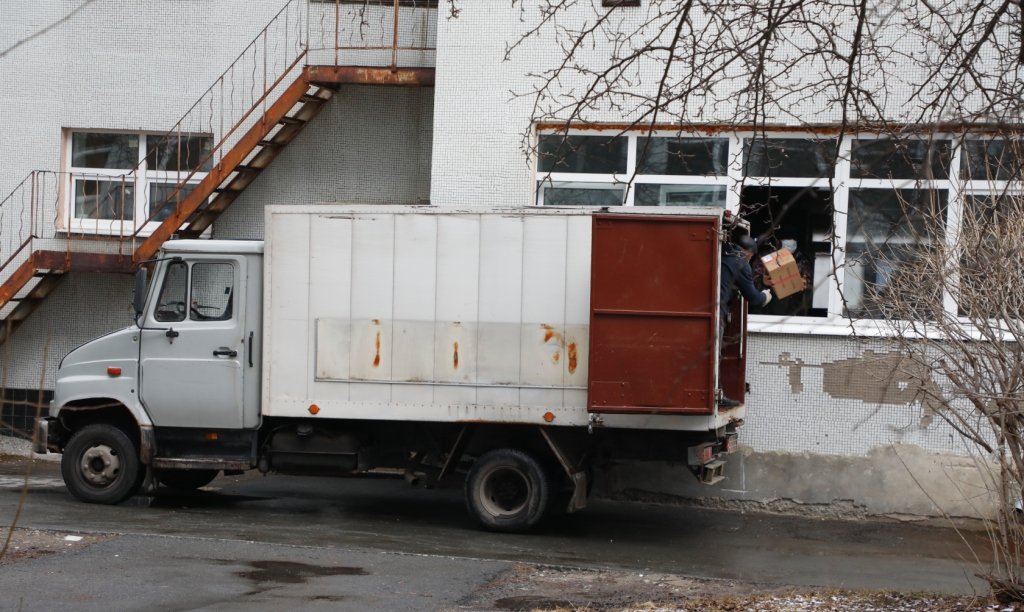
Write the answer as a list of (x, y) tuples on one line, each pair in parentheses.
[(191, 354)]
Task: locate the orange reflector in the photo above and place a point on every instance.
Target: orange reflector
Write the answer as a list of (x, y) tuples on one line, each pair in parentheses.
[(313, 409), (113, 371), (211, 435), (548, 417)]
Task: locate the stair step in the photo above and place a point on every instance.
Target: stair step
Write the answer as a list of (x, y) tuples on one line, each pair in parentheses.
[(271, 144), (307, 98), (290, 121)]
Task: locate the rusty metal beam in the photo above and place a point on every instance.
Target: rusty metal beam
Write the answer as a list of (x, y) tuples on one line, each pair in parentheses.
[(363, 75), (82, 262)]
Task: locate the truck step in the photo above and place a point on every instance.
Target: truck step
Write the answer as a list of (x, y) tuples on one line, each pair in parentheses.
[(713, 472), (200, 463)]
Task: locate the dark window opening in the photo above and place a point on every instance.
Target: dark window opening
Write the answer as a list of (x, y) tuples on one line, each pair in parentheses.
[(800, 219)]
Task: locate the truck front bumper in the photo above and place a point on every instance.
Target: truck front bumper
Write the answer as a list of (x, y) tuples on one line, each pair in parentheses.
[(47, 436)]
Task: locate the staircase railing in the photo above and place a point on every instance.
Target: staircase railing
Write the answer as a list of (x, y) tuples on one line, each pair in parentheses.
[(235, 99)]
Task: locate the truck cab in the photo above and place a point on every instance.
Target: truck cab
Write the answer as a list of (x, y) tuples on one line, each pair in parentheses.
[(189, 364)]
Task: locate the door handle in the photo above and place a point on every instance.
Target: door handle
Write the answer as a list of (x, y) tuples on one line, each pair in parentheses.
[(225, 352), (171, 335)]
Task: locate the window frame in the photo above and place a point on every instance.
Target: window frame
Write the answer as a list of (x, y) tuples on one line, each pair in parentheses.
[(835, 322), (142, 182)]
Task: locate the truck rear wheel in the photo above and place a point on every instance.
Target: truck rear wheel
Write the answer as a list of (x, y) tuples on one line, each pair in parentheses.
[(186, 480), (101, 465), (507, 490)]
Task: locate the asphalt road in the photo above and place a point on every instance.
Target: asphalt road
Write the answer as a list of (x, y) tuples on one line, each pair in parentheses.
[(426, 544)]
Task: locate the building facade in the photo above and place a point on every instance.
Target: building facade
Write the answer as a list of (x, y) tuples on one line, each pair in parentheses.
[(91, 90)]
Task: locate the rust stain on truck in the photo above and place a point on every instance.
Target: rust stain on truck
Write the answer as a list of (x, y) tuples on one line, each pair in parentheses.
[(376, 357), (573, 359), (455, 357)]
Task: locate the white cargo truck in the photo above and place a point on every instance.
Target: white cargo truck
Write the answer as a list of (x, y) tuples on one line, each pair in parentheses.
[(513, 348)]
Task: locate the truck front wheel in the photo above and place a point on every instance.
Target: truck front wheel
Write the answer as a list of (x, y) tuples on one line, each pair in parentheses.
[(101, 465), (507, 490)]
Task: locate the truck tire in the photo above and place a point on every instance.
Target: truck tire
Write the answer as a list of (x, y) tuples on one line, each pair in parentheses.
[(507, 490), (186, 480), (101, 465)]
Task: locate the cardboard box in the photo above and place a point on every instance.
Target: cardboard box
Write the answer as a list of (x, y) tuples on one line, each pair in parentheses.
[(784, 273)]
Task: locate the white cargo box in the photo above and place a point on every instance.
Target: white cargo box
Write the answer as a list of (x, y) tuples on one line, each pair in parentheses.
[(431, 314)]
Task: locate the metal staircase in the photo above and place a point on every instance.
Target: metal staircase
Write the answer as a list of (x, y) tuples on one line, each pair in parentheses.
[(253, 110)]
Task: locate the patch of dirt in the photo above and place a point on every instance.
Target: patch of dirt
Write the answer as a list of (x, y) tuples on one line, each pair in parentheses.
[(553, 589), (32, 543)]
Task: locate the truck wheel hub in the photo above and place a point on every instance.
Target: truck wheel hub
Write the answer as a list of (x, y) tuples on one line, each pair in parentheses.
[(100, 465), (505, 492)]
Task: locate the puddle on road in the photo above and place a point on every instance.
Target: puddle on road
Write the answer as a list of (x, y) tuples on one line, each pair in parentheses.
[(269, 574), (291, 572)]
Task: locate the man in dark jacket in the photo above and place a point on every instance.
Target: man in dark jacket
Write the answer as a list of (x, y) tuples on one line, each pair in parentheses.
[(736, 274)]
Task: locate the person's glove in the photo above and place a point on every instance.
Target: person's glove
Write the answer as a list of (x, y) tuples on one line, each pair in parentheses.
[(767, 293)]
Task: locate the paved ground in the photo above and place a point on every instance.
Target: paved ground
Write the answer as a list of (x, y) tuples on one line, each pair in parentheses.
[(256, 542)]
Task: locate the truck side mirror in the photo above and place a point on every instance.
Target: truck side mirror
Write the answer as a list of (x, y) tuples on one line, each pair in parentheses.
[(139, 298)]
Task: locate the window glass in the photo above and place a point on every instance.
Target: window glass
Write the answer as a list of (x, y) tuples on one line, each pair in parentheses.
[(184, 152), (107, 200), (582, 154), (212, 291), (159, 193), (682, 156), (990, 230), (170, 306), (592, 195), (99, 150), (793, 157), (648, 194), (889, 237), (900, 159), (992, 160)]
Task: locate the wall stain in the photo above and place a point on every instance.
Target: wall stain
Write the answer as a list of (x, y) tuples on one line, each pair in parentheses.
[(873, 378)]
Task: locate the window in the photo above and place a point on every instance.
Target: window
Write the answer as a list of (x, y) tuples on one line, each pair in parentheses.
[(992, 160), (862, 213), (900, 159), (211, 297), (886, 229), (170, 306), (119, 180), (796, 157), (626, 170)]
